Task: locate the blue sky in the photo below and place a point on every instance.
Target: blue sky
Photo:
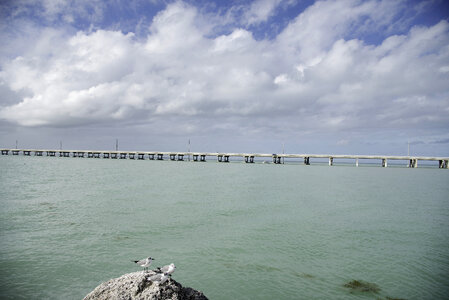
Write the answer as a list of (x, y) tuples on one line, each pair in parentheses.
[(352, 76)]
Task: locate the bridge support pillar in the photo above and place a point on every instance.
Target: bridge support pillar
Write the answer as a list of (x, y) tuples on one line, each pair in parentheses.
[(226, 158), (249, 159), (114, 155), (180, 157), (203, 158), (220, 158), (151, 156), (384, 162), (131, 155), (140, 156), (5, 152), (307, 161), (413, 163), (105, 155), (195, 157), (15, 152), (331, 161), (276, 159)]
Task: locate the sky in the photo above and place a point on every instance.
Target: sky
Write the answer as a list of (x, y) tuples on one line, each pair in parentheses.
[(262, 76)]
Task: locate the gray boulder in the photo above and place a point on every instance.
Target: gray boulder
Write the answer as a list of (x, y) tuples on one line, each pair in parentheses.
[(136, 286)]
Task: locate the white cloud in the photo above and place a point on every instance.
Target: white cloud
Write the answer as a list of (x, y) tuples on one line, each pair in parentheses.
[(310, 77), (260, 10), (55, 10)]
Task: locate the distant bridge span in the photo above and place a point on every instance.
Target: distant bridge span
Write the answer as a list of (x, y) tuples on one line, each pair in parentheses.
[(411, 161)]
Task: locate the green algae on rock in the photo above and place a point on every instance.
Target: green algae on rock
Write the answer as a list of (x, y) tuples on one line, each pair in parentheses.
[(362, 286)]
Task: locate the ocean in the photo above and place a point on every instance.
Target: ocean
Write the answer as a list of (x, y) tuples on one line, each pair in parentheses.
[(233, 230)]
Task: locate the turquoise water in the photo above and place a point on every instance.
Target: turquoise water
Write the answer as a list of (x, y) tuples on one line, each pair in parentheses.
[(241, 231)]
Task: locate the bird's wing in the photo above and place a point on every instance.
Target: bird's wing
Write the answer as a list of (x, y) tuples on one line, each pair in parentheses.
[(164, 269), (156, 277)]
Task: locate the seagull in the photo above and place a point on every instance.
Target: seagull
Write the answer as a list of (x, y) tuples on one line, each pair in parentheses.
[(144, 263), (159, 278), (169, 269)]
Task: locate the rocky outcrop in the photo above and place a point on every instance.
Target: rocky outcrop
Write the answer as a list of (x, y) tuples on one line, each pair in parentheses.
[(137, 286)]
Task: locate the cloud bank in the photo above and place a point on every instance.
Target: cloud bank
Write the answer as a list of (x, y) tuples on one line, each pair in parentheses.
[(318, 74)]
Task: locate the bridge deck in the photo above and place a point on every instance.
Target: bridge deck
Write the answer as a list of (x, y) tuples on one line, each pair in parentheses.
[(248, 157)]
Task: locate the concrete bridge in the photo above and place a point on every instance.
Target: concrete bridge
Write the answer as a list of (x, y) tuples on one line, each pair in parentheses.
[(411, 161)]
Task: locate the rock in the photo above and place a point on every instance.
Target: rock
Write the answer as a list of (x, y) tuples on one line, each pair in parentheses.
[(362, 286), (136, 286)]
